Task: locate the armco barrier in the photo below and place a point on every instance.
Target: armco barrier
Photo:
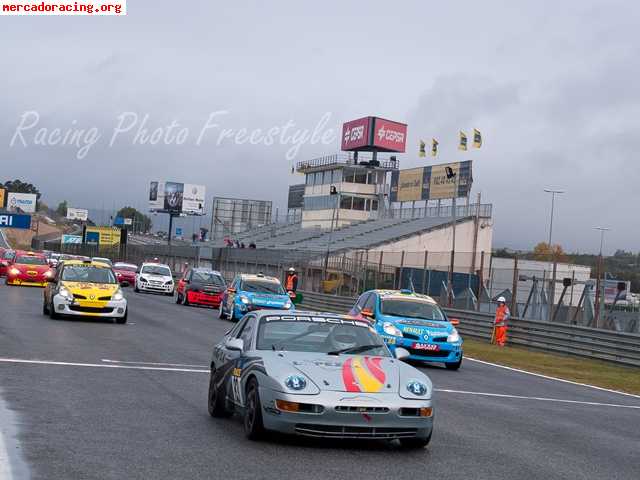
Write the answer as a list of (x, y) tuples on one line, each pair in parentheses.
[(623, 348)]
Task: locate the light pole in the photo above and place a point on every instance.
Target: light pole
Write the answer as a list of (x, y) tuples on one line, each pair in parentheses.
[(599, 273), (553, 201), (552, 276)]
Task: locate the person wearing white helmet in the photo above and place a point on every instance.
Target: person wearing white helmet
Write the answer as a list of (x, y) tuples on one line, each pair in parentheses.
[(291, 281), (500, 325)]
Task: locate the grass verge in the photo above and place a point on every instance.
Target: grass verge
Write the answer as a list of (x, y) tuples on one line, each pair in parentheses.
[(582, 370)]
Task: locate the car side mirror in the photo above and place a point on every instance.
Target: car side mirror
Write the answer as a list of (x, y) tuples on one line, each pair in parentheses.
[(401, 353), (236, 344), (52, 280), (367, 312), (231, 290), (454, 321)]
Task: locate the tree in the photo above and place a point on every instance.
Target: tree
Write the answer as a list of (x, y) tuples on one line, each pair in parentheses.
[(61, 209), (141, 222), (18, 186), (544, 252)]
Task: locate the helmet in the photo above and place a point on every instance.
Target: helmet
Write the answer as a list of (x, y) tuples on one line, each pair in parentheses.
[(502, 300), (291, 269)]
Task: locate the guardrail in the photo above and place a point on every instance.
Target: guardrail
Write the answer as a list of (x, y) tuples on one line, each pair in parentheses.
[(622, 348)]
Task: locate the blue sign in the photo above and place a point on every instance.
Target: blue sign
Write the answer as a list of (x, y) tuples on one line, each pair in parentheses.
[(15, 220), (118, 221), (178, 232)]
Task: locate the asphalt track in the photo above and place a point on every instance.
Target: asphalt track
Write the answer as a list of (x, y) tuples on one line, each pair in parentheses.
[(85, 400)]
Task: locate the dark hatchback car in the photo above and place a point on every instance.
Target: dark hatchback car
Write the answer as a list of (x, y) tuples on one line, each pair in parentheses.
[(200, 286)]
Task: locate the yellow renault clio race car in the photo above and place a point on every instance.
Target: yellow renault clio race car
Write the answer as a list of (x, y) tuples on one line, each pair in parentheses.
[(84, 288)]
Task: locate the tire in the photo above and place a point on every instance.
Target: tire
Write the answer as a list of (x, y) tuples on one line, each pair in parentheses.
[(185, 299), (221, 314), (454, 365), (52, 313), (178, 299), (45, 309), (252, 421), (415, 443), (123, 320), (215, 402), (136, 289)]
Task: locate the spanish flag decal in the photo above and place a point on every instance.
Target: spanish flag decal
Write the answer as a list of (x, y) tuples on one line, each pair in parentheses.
[(463, 141), (363, 374)]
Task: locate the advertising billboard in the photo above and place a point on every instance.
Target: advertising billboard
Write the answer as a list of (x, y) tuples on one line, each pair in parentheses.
[(12, 220), (102, 235), (434, 182), (235, 215), (79, 214), (25, 202), (74, 239), (176, 197), (296, 196), (389, 136), (371, 134), (2, 197)]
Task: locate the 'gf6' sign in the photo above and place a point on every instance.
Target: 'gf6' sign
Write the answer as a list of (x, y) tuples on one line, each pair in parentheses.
[(12, 220)]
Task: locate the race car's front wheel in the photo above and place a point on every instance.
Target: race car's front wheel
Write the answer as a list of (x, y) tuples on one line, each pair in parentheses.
[(414, 443), (215, 404), (253, 426), (221, 314), (178, 299), (123, 319), (185, 299), (45, 309), (52, 312), (454, 365)]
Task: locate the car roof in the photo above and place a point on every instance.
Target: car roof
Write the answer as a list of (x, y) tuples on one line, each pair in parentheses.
[(125, 264), (86, 263), (309, 316), (254, 276), (155, 264), (207, 270), (403, 294)]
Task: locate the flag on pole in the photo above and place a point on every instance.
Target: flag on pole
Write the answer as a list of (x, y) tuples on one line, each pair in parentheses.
[(434, 147), (477, 138), (463, 141), (423, 147)]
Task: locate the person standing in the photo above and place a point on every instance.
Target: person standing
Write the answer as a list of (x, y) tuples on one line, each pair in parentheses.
[(500, 325), (291, 281)]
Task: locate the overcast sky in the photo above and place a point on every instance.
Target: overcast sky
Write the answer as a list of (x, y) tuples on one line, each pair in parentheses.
[(553, 86)]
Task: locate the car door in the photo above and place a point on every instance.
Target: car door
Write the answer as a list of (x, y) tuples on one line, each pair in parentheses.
[(246, 334), (359, 305)]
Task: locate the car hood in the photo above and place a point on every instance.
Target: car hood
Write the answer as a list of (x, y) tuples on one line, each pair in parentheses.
[(418, 326), (91, 289), (338, 373), (267, 299), (23, 267), (156, 278)]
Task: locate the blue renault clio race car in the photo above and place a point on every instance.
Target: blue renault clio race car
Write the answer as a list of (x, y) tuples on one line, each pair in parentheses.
[(414, 322), (253, 292)]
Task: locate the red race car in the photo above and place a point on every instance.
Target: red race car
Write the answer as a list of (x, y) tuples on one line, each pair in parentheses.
[(29, 269), (125, 273), (5, 260), (200, 286)]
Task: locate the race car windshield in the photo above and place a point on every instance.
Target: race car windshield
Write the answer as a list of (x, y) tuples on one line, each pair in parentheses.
[(262, 286), (88, 274), (156, 270), (208, 277), (319, 338), (8, 255), (412, 309), (127, 268), (31, 261)]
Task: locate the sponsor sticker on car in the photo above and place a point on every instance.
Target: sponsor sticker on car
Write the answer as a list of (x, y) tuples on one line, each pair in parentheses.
[(426, 346)]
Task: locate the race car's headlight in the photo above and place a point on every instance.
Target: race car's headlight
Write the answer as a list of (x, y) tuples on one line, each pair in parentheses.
[(417, 388), (14, 271), (143, 280), (288, 305), (48, 273), (454, 336), (244, 299), (64, 293), (168, 282), (390, 329), (295, 382), (118, 295)]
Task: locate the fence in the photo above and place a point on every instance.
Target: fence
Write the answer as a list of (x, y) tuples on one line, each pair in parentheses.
[(623, 348)]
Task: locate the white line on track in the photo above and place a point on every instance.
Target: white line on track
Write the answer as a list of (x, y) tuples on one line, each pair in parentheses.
[(541, 399), (106, 360), (99, 365), (547, 377)]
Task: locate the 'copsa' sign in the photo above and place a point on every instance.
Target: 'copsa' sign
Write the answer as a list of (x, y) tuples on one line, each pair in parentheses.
[(374, 134)]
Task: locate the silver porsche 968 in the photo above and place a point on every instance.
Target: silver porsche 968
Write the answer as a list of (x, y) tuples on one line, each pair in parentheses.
[(318, 375)]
